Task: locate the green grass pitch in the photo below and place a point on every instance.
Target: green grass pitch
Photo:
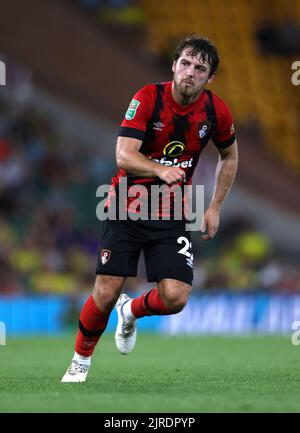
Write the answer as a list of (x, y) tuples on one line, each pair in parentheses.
[(163, 374)]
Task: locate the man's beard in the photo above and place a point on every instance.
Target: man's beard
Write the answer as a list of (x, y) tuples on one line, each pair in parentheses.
[(187, 91)]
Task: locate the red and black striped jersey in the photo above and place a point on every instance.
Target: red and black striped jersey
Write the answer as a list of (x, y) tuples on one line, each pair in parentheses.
[(171, 134)]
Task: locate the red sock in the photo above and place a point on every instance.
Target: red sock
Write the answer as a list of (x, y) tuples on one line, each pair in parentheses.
[(92, 323), (149, 304)]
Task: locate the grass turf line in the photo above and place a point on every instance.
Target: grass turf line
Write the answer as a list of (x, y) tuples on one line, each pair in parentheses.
[(163, 374)]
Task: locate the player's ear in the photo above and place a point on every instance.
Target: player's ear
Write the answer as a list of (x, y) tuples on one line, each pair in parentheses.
[(173, 66), (211, 78)]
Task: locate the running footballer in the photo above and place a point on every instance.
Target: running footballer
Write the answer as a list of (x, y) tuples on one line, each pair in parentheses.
[(165, 129)]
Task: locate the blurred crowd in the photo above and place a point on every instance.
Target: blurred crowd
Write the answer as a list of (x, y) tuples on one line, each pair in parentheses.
[(120, 14), (49, 232), (247, 260), (279, 39)]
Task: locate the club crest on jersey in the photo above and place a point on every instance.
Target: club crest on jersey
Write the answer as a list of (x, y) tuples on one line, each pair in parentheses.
[(174, 149), (204, 129), (131, 112), (105, 256)]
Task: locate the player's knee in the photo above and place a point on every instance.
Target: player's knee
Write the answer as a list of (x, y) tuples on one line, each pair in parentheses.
[(174, 294), (175, 301), (176, 307), (105, 298), (106, 292)]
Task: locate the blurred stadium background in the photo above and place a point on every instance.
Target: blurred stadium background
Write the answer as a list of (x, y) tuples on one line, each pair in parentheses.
[(71, 70)]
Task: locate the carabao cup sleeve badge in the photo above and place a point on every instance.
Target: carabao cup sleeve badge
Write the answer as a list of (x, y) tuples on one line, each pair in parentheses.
[(133, 106)]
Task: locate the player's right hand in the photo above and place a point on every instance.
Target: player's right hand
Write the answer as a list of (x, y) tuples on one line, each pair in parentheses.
[(172, 175)]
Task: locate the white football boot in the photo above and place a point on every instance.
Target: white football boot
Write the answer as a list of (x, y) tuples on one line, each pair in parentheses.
[(125, 335), (76, 372)]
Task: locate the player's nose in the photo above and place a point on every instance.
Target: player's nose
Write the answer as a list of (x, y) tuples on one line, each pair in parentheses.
[(189, 75), (190, 71)]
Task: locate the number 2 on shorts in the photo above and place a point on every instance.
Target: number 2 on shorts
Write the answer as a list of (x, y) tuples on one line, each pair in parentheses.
[(187, 245)]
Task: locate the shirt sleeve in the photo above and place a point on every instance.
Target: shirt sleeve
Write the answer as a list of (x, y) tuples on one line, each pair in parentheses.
[(138, 114), (224, 135)]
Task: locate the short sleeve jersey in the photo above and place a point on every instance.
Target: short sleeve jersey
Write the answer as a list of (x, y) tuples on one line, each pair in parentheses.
[(175, 135), (171, 134)]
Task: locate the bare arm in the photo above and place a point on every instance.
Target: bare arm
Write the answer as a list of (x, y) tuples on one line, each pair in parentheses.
[(225, 174), (131, 160)]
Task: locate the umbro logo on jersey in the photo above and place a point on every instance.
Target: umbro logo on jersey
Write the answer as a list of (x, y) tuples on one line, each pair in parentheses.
[(158, 126)]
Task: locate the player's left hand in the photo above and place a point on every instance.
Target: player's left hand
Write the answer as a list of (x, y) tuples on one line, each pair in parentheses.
[(210, 223)]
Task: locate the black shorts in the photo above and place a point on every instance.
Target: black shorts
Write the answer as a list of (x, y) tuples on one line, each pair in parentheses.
[(166, 245)]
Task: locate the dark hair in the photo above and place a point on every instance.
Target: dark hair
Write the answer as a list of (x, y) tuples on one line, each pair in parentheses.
[(199, 46)]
